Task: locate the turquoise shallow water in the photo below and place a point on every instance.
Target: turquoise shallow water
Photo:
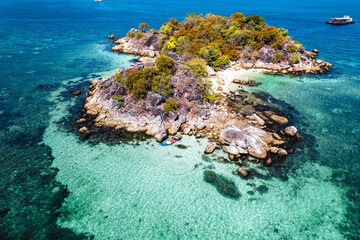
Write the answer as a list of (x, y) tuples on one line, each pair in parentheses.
[(153, 192), (55, 186)]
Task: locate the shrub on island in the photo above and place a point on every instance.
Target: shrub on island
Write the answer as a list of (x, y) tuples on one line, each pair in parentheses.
[(143, 26), (165, 64), (139, 36), (277, 57), (130, 34), (170, 106), (295, 58), (217, 39), (156, 79), (118, 100), (198, 68), (291, 48)]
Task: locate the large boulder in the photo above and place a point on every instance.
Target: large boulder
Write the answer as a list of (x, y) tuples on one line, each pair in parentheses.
[(282, 152), (200, 124), (266, 53), (249, 140), (174, 56), (279, 119), (233, 134), (209, 149), (161, 135), (256, 119), (84, 130), (232, 149), (257, 147), (174, 127), (263, 135), (155, 99), (291, 131), (154, 126)]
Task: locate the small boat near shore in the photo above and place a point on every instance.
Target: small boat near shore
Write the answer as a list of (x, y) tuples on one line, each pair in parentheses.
[(341, 21), (169, 142)]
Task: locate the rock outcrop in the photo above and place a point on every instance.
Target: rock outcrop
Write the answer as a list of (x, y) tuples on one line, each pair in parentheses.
[(146, 46), (291, 131), (209, 149)]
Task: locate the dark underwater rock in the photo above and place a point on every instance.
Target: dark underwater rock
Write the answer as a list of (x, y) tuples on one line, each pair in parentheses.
[(223, 185), (76, 93), (262, 189), (181, 146)]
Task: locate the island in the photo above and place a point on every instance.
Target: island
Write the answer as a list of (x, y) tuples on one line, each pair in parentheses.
[(181, 85)]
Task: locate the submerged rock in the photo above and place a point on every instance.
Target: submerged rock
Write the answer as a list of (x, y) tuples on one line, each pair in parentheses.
[(242, 172), (181, 146), (76, 93), (81, 120), (268, 162), (84, 130), (262, 189), (224, 186)]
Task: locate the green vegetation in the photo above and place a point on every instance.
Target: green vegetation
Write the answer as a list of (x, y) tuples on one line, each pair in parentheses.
[(198, 67), (291, 48), (161, 85), (170, 106), (205, 87), (153, 31), (118, 100), (219, 40), (277, 58), (211, 98), (130, 34), (156, 79), (117, 76), (143, 26), (295, 58), (165, 64), (139, 36)]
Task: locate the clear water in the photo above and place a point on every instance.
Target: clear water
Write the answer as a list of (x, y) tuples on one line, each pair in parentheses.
[(54, 186)]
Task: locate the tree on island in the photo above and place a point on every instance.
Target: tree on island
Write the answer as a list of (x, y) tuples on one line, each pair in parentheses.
[(143, 26)]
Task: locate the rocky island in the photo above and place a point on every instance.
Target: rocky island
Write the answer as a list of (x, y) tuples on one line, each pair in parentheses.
[(176, 87)]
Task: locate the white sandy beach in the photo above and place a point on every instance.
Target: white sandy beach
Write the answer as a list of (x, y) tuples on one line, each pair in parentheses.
[(222, 82)]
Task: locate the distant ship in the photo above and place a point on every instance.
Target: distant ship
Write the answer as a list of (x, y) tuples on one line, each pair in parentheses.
[(341, 20)]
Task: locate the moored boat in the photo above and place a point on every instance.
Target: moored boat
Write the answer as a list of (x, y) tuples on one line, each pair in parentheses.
[(341, 20), (169, 142)]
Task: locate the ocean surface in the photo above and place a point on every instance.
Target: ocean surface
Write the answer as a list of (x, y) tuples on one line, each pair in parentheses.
[(55, 186)]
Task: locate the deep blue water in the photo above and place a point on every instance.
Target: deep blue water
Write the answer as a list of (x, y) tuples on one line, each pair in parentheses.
[(52, 42)]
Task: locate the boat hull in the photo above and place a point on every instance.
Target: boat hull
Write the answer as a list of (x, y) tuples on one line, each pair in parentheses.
[(339, 22), (166, 143)]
